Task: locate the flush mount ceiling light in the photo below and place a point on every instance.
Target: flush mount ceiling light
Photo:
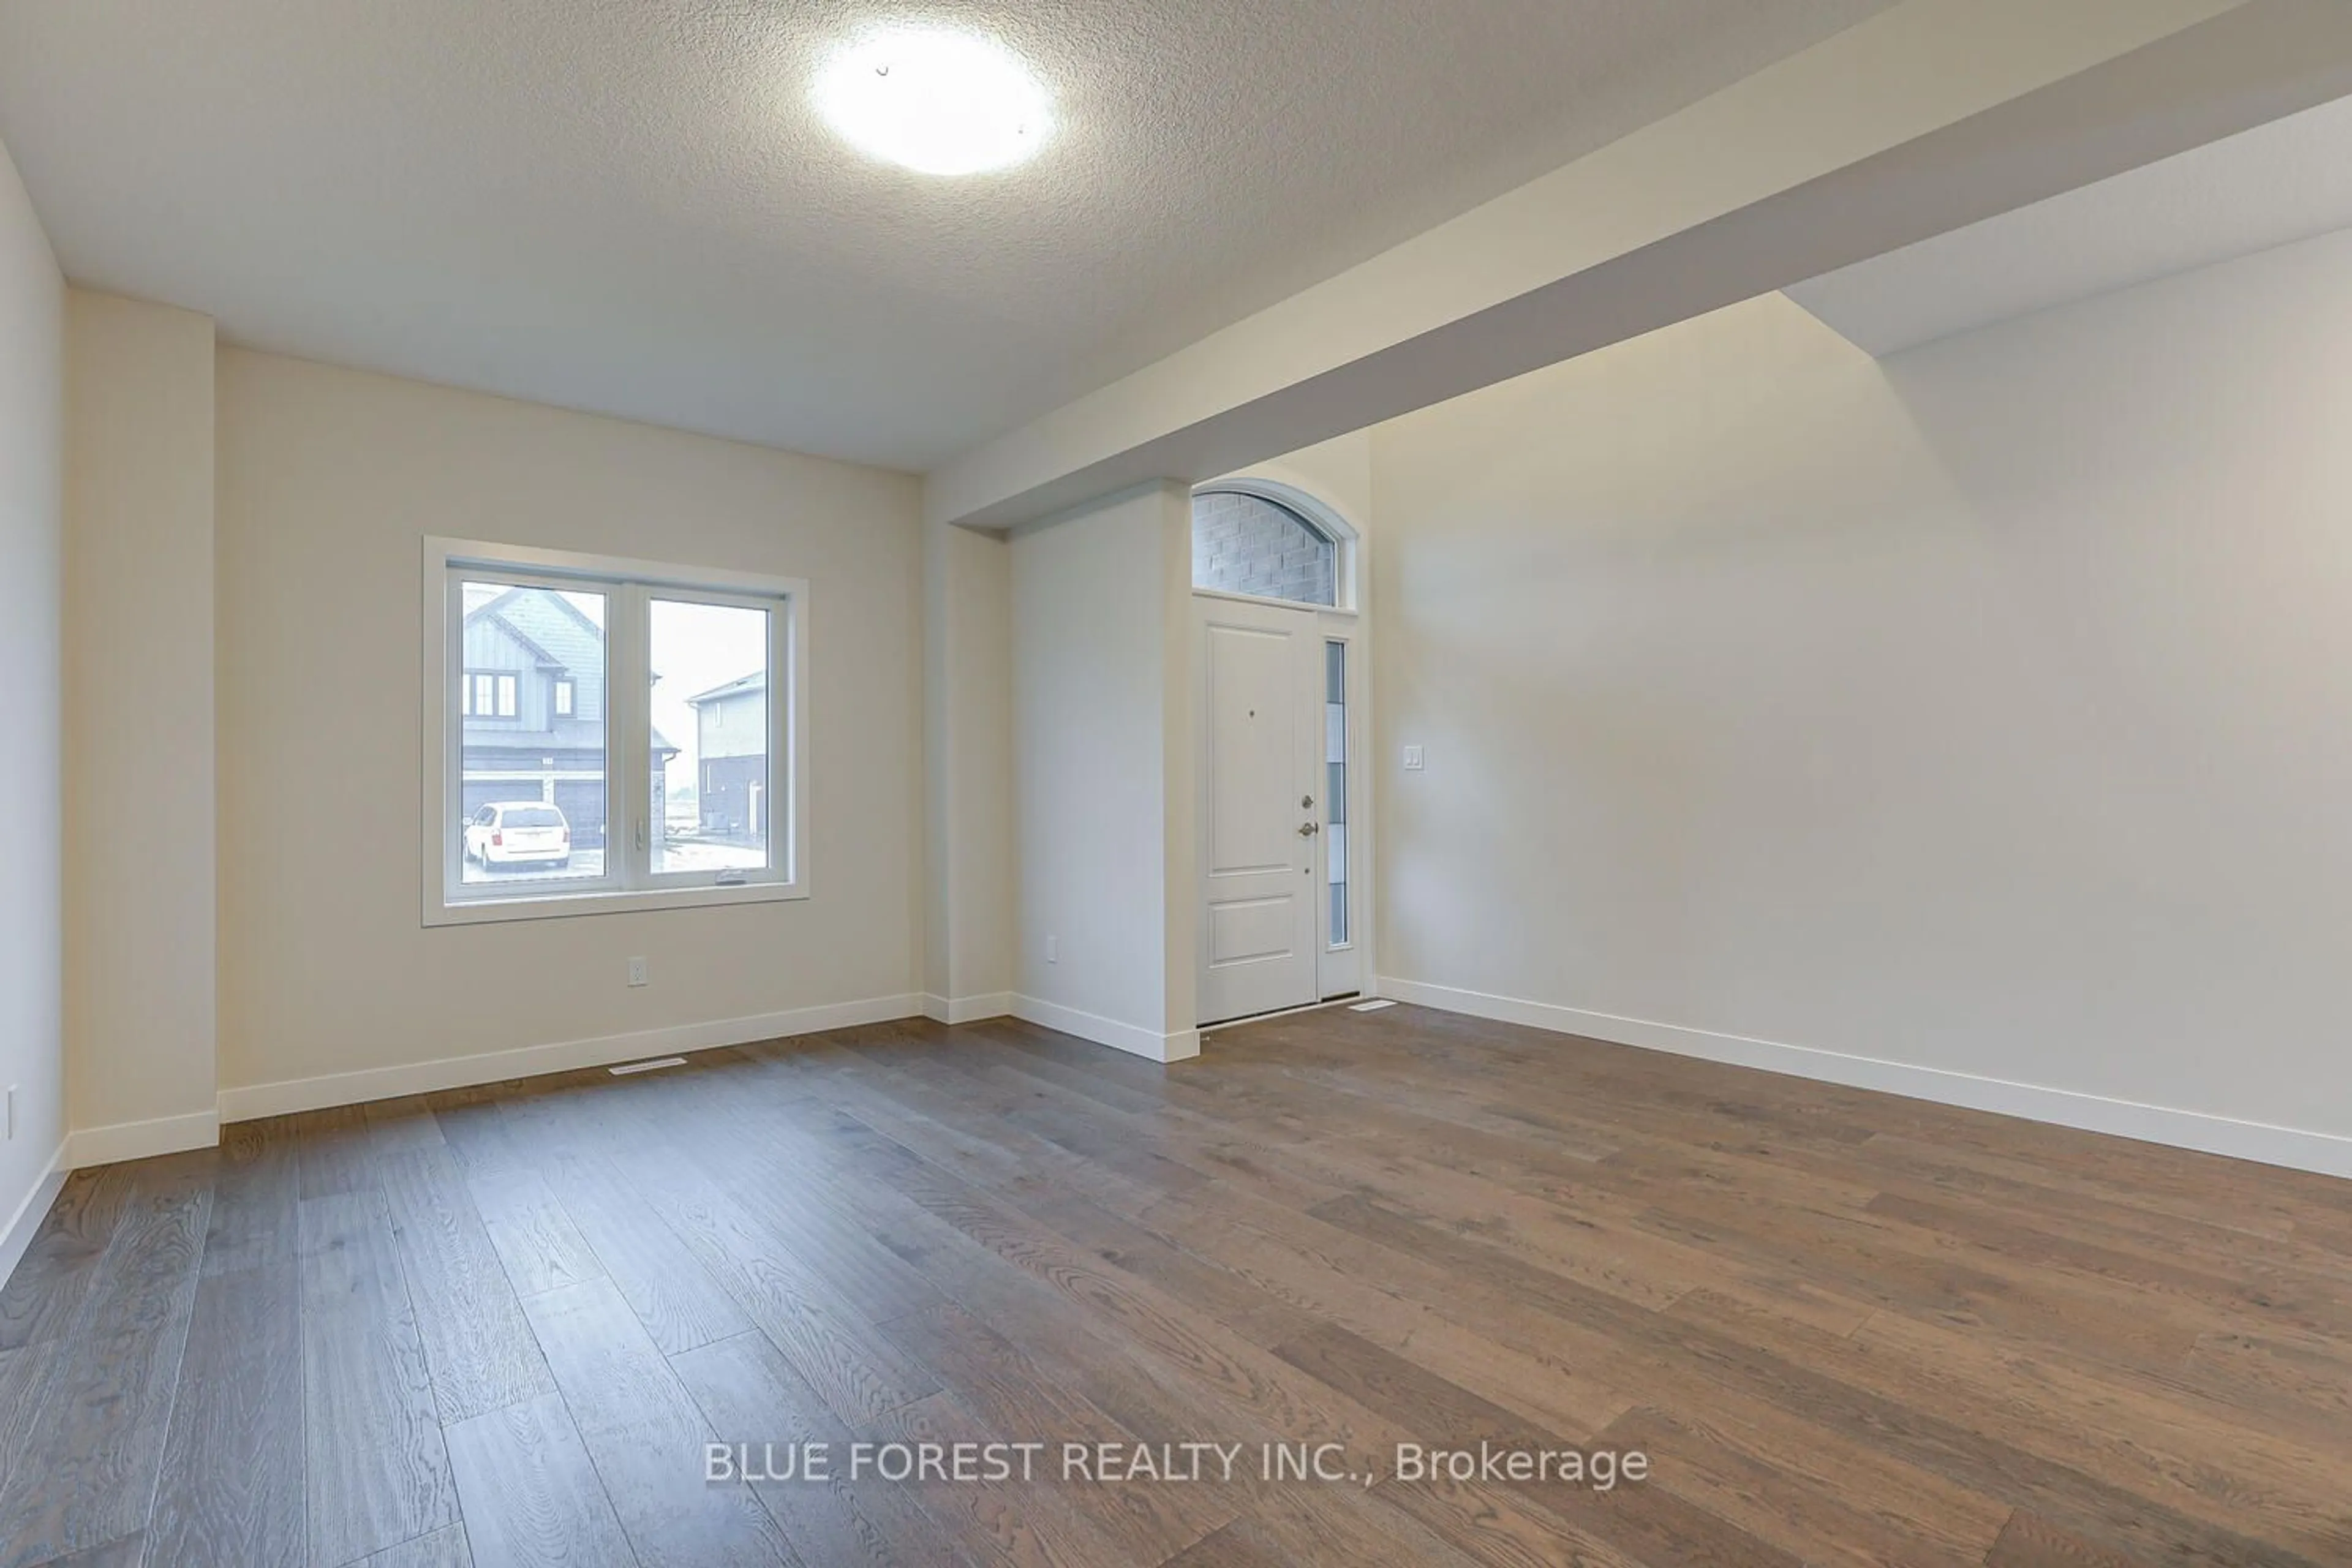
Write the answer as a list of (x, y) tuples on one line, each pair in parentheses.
[(938, 101)]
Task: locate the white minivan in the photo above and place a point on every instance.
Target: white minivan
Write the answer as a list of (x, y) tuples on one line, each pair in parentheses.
[(518, 832)]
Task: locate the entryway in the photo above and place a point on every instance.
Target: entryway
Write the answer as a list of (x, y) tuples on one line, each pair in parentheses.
[(1272, 699)]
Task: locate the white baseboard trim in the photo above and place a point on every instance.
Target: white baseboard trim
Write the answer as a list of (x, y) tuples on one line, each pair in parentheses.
[(26, 1223), (87, 1146), (966, 1009), (1181, 1046), (2295, 1148), (292, 1095)]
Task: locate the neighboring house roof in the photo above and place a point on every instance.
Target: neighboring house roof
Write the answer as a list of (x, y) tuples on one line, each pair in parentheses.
[(755, 681), (550, 625)]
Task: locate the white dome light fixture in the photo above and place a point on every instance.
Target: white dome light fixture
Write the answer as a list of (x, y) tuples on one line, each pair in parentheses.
[(936, 100)]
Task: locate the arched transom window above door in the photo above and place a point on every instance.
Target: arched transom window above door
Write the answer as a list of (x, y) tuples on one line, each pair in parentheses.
[(1244, 542)]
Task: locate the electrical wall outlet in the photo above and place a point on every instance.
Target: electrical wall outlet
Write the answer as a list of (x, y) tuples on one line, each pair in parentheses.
[(1053, 950), (637, 972)]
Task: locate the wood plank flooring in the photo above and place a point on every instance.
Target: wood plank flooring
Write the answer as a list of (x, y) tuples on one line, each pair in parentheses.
[(500, 1325)]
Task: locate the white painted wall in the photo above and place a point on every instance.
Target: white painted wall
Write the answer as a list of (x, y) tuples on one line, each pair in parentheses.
[(1988, 710), (32, 593), (328, 481), (140, 811), (1102, 771)]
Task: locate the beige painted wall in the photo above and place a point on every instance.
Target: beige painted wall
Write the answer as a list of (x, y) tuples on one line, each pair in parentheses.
[(32, 593), (1983, 711), (328, 481), (969, 872), (1102, 771), (1786, 174), (139, 815)]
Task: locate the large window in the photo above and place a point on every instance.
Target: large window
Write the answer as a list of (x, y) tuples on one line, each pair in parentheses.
[(547, 673)]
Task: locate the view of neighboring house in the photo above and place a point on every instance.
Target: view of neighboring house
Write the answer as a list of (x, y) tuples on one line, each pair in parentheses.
[(532, 695), (731, 742)]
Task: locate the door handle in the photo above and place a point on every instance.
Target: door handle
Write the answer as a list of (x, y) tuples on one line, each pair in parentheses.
[(1310, 829)]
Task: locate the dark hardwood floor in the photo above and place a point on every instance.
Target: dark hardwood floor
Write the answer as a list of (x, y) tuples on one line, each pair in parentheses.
[(500, 1325)]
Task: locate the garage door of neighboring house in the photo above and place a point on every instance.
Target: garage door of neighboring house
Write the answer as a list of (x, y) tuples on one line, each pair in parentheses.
[(728, 802), (582, 801)]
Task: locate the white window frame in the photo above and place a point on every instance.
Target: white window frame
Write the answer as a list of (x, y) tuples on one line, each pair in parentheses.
[(629, 882)]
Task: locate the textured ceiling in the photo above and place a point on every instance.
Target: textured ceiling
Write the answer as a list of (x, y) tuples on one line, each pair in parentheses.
[(2285, 180), (625, 205)]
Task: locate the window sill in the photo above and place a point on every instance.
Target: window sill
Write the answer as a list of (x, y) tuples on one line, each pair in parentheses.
[(634, 900)]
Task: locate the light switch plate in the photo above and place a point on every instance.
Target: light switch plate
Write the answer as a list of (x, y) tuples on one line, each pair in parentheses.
[(1412, 759)]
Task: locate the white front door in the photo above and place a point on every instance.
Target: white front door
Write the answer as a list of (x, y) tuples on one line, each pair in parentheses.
[(1258, 701)]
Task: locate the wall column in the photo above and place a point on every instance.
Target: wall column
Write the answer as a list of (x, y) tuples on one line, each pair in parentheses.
[(1102, 728), (968, 862), (141, 828)]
